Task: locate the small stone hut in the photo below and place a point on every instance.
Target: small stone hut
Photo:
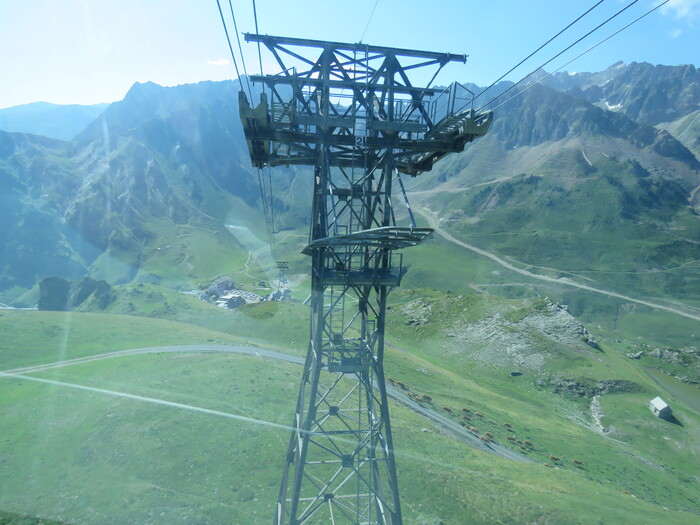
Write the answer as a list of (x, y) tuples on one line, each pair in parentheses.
[(659, 408)]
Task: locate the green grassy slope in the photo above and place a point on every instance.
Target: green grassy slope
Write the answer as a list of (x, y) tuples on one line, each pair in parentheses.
[(98, 457), (621, 324), (33, 338), (636, 451), (610, 224), (271, 322)]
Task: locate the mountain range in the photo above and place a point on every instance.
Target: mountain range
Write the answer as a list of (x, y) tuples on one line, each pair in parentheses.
[(566, 187), (50, 120), (557, 296), (595, 173), (151, 183)]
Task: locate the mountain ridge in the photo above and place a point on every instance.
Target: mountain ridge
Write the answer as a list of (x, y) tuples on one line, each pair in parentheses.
[(160, 190), (60, 121), (165, 160), (647, 93)]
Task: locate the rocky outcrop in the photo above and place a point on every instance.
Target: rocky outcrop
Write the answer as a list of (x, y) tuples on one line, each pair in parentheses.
[(416, 312), (585, 387), (682, 363), (519, 336), (675, 357)]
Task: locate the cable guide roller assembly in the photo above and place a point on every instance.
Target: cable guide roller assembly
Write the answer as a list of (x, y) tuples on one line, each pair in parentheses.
[(351, 107)]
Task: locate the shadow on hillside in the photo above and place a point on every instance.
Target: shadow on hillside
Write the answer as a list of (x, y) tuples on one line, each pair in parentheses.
[(673, 419)]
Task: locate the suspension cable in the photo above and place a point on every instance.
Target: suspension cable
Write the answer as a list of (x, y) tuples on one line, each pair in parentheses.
[(272, 212), (268, 207), (240, 50), (233, 56), (559, 54), (266, 210), (255, 16), (369, 20), (586, 51), (261, 179), (405, 199), (536, 51)]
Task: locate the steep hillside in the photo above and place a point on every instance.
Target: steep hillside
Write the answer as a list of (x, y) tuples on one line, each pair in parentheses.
[(686, 130), (194, 124), (542, 115), (564, 187), (157, 189), (35, 175)]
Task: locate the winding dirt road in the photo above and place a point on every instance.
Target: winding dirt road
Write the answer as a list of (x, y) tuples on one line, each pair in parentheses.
[(435, 225), (445, 423)]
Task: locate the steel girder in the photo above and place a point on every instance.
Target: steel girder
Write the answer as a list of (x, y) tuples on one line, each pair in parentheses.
[(340, 465)]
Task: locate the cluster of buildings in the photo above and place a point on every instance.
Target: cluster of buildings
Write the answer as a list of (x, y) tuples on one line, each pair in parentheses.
[(224, 294)]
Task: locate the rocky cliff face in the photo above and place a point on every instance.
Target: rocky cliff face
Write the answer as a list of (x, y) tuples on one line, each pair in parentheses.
[(648, 94), (543, 114)]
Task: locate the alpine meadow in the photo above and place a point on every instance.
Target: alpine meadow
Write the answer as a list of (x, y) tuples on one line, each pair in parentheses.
[(151, 345)]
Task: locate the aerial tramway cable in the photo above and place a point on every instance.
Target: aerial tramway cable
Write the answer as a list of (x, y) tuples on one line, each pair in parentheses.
[(268, 211), (270, 207), (559, 54), (240, 50), (536, 51), (369, 20), (233, 56), (586, 51), (255, 16)]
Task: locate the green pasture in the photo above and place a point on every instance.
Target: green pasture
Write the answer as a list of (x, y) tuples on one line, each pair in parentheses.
[(78, 445)]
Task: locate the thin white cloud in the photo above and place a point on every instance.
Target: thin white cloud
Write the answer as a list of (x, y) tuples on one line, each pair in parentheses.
[(682, 9), (675, 33), (218, 62)]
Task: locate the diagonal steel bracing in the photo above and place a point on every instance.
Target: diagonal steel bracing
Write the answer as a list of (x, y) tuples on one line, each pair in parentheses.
[(351, 112)]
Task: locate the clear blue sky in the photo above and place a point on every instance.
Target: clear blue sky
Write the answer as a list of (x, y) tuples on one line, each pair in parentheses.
[(90, 51)]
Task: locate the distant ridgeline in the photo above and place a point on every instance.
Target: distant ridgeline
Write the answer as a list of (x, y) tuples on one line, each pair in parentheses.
[(588, 172), (59, 294)]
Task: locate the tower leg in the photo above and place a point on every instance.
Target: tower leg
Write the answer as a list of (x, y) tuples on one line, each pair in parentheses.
[(340, 465)]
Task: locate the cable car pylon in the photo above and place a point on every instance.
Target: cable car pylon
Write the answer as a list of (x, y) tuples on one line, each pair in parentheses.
[(351, 112)]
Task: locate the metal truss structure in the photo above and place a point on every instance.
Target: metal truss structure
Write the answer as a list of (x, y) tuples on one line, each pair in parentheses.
[(283, 266), (351, 112)]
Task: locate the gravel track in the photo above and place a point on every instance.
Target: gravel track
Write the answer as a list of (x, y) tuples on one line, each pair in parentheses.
[(446, 424), (435, 225)]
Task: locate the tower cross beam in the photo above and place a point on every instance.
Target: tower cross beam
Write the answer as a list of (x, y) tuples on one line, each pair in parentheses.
[(280, 41)]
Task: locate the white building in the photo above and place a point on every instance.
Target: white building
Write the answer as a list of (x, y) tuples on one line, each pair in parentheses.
[(659, 408)]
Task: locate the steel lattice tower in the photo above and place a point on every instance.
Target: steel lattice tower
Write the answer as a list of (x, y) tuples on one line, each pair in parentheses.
[(352, 113)]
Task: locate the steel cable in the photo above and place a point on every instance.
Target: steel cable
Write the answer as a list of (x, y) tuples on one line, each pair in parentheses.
[(240, 50), (233, 56), (559, 54), (536, 51), (586, 51)]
